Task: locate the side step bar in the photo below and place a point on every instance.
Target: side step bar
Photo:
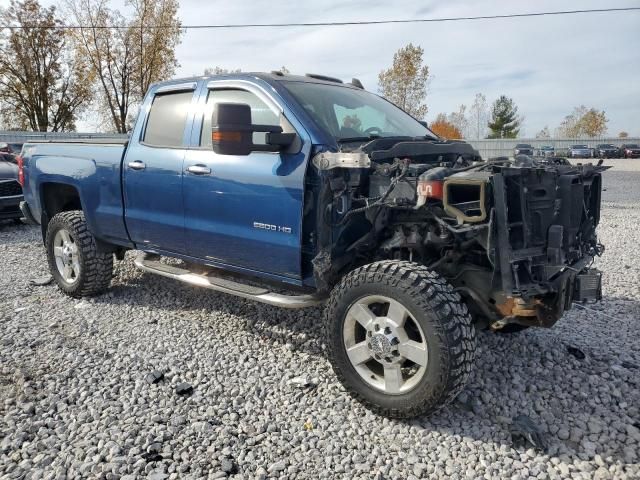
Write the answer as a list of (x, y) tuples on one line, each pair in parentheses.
[(151, 263)]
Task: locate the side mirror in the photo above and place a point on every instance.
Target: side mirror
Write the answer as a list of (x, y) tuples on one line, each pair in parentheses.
[(232, 131)]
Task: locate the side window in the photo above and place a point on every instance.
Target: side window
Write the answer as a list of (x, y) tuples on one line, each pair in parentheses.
[(261, 114), (167, 119)]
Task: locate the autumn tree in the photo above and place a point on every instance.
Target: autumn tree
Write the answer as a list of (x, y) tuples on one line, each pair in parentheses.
[(126, 60), (623, 134), (582, 122), (504, 122), (478, 117), (459, 120), (544, 133), (405, 83), (444, 128), (43, 87)]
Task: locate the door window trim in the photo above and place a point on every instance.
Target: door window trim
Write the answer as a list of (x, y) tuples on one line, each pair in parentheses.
[(170, 90)]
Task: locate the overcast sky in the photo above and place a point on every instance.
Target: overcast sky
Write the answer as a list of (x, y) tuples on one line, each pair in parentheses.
[(548, 65)]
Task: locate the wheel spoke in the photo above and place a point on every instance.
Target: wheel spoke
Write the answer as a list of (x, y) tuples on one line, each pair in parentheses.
[(414, 351), (76, 267), (65, 236), (66, 273), (397, 312), (392, 378), (359, 353), (57, 252), (363, 315)]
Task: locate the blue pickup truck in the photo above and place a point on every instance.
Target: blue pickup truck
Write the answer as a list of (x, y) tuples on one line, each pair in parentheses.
[(302, 190)]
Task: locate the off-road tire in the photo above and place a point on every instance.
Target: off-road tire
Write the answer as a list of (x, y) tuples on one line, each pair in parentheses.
[(442, 316), (96, 268)]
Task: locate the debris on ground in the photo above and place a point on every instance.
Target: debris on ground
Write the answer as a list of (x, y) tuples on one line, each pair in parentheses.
[(526, 434), (41, 281), (184, 389), (154, 377), (576, 352)]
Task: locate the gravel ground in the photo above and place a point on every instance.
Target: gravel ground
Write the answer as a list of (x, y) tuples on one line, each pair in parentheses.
[(74, 401)]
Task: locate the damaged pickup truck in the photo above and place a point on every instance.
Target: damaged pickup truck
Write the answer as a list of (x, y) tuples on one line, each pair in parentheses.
[(301, 190)]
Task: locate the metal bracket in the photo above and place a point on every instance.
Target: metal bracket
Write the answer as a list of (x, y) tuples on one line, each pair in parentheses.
[(329, 160)]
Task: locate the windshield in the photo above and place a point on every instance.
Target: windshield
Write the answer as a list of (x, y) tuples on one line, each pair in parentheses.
[(580, 146), (523, 145), (633, 145), (607, 145), (348, 113)]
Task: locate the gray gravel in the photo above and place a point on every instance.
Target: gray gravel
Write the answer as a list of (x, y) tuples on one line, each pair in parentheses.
[(75, 401)]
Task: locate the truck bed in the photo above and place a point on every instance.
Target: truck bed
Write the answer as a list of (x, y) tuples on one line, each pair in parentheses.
[(93, 168)]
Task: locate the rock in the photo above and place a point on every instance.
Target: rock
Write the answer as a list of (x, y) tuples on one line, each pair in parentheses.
[(41, 281), (184, 389), (525, 432), (227, 465), (277, 467), (154, 377)]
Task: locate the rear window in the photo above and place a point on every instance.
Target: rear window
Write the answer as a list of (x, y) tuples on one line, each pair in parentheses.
[(167, 119)]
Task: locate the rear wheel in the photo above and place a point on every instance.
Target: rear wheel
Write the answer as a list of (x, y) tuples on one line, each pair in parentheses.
[(75, 262), (399, 338)]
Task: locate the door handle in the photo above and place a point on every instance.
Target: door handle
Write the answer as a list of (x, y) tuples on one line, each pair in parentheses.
[(199, 170), (137, 165)]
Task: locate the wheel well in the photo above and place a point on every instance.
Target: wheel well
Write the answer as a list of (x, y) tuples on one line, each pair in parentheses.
[(56, 198)]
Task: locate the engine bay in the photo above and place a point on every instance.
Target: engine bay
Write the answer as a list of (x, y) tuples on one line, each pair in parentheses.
[(514, 236)]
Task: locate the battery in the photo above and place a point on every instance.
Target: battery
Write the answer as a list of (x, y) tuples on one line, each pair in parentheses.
[(588, 286)]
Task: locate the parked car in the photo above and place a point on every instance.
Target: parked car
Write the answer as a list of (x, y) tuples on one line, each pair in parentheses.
[(546, 151), (606, 150), (579, 151), (523, 149), (277, 179), (630, 150), (10, 189)]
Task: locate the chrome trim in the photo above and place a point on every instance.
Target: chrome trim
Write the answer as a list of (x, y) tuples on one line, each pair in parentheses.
[(270, 298)]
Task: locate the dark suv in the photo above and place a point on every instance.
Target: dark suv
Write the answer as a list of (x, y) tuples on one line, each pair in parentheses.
[(10, 189), (523, 149), (606, 150)]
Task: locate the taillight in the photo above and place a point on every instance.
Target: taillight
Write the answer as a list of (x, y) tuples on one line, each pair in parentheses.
[(20, 163)]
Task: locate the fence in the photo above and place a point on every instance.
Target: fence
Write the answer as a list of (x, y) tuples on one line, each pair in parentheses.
[(503, 147), (487, 147), (24, 137)]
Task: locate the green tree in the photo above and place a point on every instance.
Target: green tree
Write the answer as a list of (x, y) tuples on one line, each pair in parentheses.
[(43, 86), (405, 83), (504, 122)]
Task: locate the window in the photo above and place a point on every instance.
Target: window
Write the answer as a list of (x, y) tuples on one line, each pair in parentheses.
[(261, 114), (167, 119)]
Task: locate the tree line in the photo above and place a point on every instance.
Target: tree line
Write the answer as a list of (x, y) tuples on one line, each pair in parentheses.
[(50, 77), (406, 82)]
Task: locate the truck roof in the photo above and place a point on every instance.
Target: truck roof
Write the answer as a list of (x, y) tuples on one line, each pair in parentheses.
[(269, 77)]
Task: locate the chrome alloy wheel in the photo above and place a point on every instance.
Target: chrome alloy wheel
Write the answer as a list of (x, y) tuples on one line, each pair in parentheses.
[(385, 345), (65, 252)]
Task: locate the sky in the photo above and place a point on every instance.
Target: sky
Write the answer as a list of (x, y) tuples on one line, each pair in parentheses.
[(548, 65)]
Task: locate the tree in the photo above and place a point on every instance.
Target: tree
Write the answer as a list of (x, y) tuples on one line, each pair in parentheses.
[(43, 87), (505, 121), (583, 121), (459, 120), (479, 117), (623, 134), (405, 83), (444, 128), (125, 61), (544, 133)]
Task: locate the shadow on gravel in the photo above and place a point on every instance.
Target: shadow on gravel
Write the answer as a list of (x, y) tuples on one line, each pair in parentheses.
[(531, 373)]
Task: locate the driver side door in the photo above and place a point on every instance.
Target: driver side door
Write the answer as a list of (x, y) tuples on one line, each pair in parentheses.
[(243, 211)]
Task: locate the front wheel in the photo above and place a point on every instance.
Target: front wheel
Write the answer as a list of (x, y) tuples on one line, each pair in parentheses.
[(77, 265), (400, 339)]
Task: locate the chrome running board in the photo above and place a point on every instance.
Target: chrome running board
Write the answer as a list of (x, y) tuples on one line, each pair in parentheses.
[(152, 264)]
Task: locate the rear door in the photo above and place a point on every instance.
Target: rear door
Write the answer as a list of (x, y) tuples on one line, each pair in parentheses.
[(154, 207), (244, 211)]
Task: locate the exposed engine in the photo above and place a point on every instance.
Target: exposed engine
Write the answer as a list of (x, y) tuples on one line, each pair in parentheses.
[(516, 237)]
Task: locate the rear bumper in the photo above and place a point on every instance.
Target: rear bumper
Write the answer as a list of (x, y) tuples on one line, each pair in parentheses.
[(10, 207)]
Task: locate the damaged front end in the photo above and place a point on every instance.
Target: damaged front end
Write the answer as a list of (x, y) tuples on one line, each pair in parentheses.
[(516, 238)]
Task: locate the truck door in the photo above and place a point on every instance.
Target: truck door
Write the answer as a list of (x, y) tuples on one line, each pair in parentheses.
[(154, 209), (244, 211)]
